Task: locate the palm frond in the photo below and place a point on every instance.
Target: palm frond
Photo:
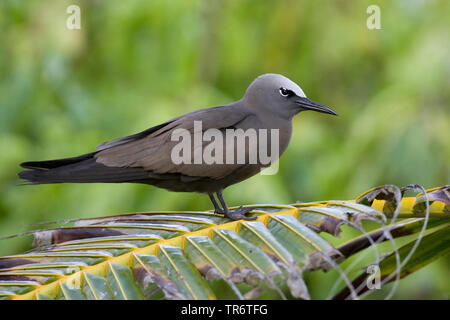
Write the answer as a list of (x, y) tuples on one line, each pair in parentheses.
[(202, 255)]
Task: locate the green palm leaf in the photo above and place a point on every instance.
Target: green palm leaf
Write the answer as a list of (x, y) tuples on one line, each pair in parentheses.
[(201, 255)]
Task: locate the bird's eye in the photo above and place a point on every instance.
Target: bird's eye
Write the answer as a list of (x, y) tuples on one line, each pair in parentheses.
[(286, 92)]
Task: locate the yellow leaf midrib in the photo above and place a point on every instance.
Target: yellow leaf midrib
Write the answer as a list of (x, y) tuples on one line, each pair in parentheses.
[(101, 268)]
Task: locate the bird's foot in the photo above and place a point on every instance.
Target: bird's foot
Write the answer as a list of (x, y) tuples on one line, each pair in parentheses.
[(239, 214), (219, 211)]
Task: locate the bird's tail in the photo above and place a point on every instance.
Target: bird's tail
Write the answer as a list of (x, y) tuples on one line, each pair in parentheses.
[(81, 169)]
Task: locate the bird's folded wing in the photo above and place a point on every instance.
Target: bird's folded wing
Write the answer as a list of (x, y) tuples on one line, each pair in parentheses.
[(153, 151), (133, 137)]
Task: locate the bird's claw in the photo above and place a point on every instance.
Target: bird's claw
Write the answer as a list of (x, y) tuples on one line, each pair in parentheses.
[(239, 214), (219, 211)]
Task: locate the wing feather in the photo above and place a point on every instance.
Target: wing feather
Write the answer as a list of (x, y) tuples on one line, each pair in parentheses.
[(153, 150)]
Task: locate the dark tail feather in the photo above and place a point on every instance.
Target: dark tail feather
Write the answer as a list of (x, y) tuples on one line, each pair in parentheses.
[(51, 164), (83, 169)]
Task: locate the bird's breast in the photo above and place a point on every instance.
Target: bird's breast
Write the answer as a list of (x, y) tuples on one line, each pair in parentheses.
[(278, 135)]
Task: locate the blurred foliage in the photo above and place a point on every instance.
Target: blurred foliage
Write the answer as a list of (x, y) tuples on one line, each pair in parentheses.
[(135, 64)]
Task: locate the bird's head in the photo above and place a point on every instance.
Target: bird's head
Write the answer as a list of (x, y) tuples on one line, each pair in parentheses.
[(280, 96)]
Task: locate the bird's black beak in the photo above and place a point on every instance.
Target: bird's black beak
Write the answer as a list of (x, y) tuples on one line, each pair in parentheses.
[(307, 104)]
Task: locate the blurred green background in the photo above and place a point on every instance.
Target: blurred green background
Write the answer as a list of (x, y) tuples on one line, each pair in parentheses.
[(134, 64)]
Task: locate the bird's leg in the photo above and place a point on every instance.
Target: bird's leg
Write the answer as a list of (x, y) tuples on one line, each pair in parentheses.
[(217, 208), (237, 214)]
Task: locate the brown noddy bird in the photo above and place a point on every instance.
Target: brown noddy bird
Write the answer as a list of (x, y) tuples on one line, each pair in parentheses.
[(270, 102)]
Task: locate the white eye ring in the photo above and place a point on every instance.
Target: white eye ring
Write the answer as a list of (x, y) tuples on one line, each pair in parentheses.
[(284, 92)]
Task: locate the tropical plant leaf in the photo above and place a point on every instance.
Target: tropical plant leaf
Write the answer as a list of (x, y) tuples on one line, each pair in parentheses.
[(199, 255), (432, 247), (400, 229)]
